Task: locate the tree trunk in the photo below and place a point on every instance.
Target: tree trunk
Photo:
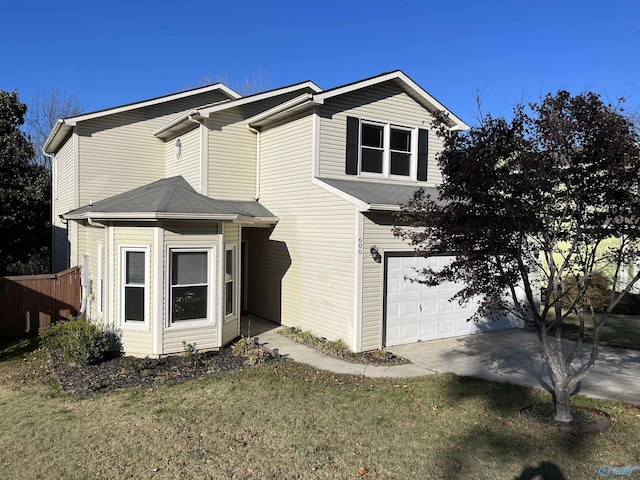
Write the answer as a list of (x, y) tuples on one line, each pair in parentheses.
[(561, 395), (561, 374)]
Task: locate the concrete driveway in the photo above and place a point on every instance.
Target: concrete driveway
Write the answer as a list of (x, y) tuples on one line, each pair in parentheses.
[(511, 356), (514, 356)]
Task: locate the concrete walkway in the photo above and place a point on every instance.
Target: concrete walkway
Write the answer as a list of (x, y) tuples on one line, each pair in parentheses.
[(510, 356)]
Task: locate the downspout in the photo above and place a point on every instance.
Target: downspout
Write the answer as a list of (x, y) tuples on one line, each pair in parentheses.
[(204, 169), (93, 223), (85, 278), (85, 283), (257, 132), (53, 197)]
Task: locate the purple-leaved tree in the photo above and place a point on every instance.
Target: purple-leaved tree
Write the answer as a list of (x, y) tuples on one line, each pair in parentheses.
[(546, 202)]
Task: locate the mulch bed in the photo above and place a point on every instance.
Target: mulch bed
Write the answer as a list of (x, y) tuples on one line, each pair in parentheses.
[(125, 372)]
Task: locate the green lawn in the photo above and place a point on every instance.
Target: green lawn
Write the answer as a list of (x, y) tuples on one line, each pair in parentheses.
[(287, 420), (618, 331)]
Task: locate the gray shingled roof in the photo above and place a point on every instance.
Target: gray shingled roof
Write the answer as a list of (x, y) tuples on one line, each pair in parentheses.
[(374, 193), (170, 196)]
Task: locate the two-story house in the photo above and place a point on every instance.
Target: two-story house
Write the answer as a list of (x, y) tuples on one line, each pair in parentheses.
[(191, 208)]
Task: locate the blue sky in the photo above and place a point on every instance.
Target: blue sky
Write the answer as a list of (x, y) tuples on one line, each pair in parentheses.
[(116, 52)]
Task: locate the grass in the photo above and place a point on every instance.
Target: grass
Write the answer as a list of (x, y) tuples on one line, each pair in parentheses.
[(285, 420), (618, 331)]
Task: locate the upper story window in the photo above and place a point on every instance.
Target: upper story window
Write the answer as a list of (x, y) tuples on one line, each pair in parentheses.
[(386, 150)]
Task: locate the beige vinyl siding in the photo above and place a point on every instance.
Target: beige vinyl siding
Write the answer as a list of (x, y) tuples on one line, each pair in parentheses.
[(136, 340), (119, 152), (82, 242), (231, 325), (88, 245), (232, 157), (268, 262), (203, 335), (190, 161), (63, 201), (232, 150), (376, 231), (385, 103), (314, 241)]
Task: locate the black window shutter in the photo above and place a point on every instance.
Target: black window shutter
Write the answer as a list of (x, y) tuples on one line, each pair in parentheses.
[(423, 149), (353, 127)]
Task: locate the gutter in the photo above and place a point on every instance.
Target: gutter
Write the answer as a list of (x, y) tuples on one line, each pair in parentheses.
[(56, 128), (95, 219), (148, 216), (257, 132), (284, 110), (192, 115), (382, 206)]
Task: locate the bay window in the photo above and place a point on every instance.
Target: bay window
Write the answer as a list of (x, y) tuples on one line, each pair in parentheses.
[(134, 284), (189, 285)]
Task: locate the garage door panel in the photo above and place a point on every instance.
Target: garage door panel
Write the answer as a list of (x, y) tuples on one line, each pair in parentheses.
[(417, 312)]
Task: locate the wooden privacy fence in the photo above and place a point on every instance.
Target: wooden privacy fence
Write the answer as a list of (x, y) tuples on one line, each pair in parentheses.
[(31, 303)]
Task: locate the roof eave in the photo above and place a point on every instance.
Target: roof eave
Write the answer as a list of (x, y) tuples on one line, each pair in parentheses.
[(258, 220), (149, 216), (155, 101), (155, 216), (207, 111), (184, 122), (54, 139), (427, 99), (383, 207), (284, 110)]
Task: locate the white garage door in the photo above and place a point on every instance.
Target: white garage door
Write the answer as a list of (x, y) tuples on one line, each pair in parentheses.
[(416, 312)]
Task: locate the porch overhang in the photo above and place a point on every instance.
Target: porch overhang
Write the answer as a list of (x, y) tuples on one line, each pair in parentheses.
[(373, 196)]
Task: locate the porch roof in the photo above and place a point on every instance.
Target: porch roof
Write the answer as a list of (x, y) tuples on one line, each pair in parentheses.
[(170, 198), (377, 195)]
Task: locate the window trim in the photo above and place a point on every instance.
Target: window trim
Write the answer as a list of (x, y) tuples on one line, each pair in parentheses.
[(386, 149), (234, 278), (124, 249), (210, 318)]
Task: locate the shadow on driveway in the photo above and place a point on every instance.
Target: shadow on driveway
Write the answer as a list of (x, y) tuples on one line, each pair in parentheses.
[(514, 356)]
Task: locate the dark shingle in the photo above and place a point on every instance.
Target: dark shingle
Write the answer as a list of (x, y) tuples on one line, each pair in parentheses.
[(375, 193), (172, 195)]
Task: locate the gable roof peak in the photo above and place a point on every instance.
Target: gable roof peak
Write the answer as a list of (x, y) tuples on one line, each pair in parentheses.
[(403, 81), (63, 126)]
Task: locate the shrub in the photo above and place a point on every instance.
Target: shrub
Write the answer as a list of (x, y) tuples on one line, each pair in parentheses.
[(628, 305), (248, 349), (335, 348), (78, 341), (598, 291), (599, 294)]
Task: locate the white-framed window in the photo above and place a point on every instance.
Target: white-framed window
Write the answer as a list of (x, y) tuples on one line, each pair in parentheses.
[(229, 280), (189, 273), (386, 150), (134, 279)]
